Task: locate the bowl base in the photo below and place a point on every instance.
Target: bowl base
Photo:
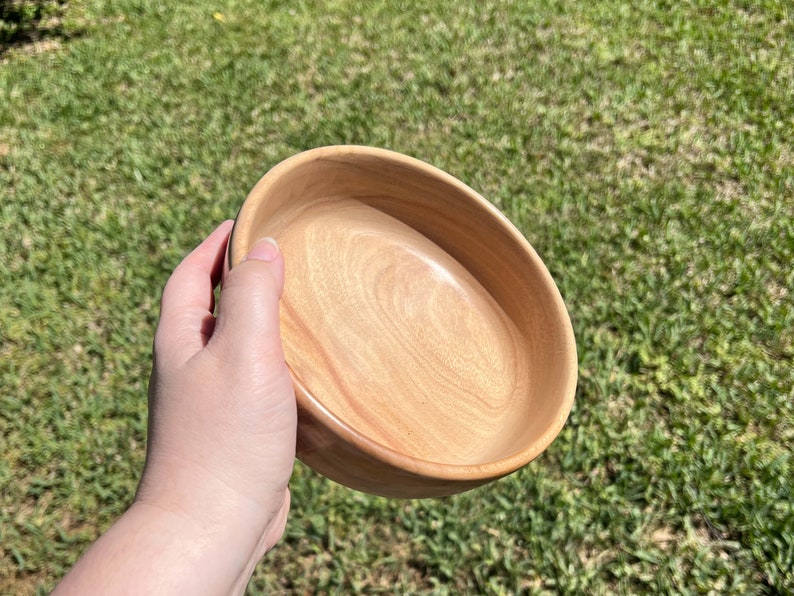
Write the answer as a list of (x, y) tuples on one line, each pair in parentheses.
[(395, 337)]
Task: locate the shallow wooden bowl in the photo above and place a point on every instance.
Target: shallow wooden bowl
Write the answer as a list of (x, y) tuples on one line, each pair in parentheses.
[(430, 350)]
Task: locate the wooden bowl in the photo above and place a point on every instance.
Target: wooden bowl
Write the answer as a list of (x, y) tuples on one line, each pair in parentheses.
[(430, 349)]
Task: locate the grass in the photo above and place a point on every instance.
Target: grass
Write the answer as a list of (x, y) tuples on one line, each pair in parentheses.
[(23, 21), (643, 148)]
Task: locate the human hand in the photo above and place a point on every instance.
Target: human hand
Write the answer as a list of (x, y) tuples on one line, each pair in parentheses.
[(222, 413), (213, 497)]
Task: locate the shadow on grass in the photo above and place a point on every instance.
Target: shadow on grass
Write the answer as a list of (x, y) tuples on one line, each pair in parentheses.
[(26, 22)]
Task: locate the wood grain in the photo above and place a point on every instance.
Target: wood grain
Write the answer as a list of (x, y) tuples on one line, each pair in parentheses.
[(396, 337), (430, 348)]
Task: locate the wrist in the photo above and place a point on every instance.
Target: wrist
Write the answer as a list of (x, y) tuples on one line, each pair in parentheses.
[(193, 556), (212, 507), (156, 549)]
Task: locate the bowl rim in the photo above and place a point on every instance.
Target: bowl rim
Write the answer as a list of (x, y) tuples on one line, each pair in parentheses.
[(309, 402)]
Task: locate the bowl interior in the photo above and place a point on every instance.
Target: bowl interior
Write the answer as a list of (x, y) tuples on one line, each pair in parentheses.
[(413, 312)]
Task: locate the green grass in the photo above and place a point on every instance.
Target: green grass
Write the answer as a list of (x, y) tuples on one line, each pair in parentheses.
[(23, 21), (645, 150)]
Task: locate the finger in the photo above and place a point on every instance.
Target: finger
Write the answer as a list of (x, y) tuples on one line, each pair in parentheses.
[(186, 309), (248, 314)]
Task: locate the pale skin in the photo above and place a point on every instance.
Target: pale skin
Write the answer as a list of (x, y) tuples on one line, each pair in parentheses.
[(213, 497)]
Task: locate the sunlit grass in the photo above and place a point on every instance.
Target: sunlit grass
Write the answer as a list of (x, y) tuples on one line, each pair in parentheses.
[(643, 148)]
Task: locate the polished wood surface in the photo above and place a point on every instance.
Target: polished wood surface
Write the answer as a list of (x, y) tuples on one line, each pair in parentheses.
[(430, 348), (389, 331)]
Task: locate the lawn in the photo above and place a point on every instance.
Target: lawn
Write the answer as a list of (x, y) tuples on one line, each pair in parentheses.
[(645, 150)]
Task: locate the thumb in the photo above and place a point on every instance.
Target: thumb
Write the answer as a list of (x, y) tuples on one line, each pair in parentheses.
[(247, 327)]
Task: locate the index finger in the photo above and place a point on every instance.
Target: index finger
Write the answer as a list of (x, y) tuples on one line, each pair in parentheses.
[(186, 308)]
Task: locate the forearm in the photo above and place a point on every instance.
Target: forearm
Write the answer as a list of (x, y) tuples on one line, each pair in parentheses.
[(150, 550)]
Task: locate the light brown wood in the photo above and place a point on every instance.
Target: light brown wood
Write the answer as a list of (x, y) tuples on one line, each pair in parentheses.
[(430, 349)]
